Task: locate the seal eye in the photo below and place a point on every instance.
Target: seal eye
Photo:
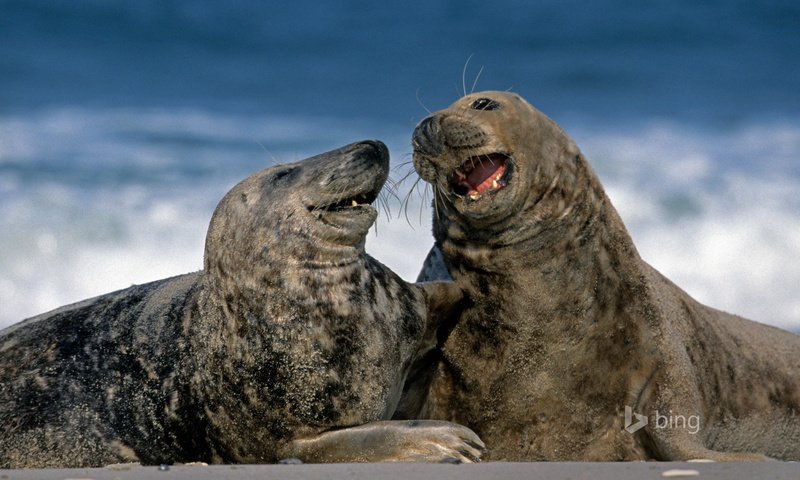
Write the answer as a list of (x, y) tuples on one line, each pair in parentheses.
[(485, 104)]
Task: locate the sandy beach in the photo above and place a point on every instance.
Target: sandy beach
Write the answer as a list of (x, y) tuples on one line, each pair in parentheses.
[(484, 471)]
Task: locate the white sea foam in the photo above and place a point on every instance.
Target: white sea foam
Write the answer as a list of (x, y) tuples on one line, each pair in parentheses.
[(718, 213)]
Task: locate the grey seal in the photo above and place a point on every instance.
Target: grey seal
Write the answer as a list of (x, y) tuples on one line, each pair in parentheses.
[(292, 342), (569, 345)]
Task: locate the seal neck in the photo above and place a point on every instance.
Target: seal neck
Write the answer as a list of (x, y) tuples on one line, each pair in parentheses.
[(575, 291), (553, 253)]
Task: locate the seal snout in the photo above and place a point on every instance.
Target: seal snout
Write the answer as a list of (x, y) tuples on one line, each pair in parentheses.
[(347, 182), (427, 139), (380, 150), (351, 176)]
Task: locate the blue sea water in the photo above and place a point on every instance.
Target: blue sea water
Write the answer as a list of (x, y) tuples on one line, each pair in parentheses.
[(122, 124)]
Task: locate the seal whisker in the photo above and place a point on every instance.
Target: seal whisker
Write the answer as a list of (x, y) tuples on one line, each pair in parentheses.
[(403, 164), (405, 177), (475, 83), (425, 189), (409, 166), (419, 101), (383, 202), (464, 75), (445, 193), (435, 204), (409, 171), (390, 188), (407, 199), (438, 193)]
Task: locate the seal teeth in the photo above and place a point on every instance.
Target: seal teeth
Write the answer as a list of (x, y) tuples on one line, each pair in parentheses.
[(479, 175), (356, 201)]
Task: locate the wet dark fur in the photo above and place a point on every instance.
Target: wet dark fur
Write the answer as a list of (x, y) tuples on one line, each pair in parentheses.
[(290, 332), (564, 325)]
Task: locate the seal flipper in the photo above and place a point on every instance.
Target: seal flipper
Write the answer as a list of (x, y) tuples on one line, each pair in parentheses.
[(683, 447), (390, 441), (444, 300)]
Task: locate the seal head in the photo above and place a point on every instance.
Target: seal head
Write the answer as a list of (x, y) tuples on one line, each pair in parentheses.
[(491, 159), (324, 199)]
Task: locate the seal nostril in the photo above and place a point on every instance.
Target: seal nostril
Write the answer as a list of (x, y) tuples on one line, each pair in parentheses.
[(376, 144), (380, 147), (426, 137)]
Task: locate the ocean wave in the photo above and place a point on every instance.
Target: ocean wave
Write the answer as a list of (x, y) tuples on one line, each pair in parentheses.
[(96, 201)]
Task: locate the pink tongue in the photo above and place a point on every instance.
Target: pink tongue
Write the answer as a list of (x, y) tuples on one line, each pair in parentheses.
[(483, 170)]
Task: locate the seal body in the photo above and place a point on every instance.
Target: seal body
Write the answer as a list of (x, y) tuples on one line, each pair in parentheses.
[(291, 342), (569, 345)]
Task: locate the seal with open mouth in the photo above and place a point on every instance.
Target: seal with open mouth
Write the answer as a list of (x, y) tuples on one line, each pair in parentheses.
[(565, 329), (291, 342)]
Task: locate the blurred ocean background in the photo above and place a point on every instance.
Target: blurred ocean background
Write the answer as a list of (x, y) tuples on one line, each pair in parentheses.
[(122, 124)]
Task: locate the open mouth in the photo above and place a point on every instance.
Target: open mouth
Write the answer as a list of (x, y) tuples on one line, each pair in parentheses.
[(481, 175), (349, 203)]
